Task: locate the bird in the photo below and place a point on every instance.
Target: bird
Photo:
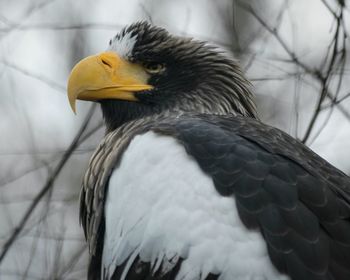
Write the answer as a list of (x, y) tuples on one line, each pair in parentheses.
[(188, 183)]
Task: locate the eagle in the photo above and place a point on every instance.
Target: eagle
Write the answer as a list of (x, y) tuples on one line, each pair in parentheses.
[(188, 183)]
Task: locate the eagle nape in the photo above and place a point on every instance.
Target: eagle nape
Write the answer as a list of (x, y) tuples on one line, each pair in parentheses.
[(187, 182)]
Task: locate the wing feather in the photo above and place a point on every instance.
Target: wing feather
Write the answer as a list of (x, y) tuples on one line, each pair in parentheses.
[(298, 201)]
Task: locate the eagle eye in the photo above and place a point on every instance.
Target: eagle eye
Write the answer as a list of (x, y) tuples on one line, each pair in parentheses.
[(154, 68)]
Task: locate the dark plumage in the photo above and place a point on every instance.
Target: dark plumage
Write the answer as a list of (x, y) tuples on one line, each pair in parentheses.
[(195, 75), (298, 201)]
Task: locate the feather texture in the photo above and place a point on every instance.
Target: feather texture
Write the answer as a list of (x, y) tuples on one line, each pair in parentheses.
[(161, 208), (298, 202)]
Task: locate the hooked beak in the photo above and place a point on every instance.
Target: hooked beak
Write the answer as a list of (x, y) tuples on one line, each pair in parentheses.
[(106, 76)]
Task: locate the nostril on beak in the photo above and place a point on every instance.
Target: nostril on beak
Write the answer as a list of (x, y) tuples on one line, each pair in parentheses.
[(106, 62)]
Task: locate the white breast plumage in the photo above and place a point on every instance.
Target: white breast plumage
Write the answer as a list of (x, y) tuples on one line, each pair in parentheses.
[(160, 206)]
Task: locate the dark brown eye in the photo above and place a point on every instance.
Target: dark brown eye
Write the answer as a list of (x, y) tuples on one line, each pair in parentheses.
[(155, 68)]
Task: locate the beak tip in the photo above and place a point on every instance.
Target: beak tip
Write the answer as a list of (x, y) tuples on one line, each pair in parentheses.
[(72, 105), (74, 110)]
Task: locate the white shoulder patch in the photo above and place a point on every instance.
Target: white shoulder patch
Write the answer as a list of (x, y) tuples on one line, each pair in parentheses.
[(124, 45), (161, 206)]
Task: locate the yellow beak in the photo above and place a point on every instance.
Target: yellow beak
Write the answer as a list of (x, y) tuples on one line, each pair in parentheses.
[(106, 76)]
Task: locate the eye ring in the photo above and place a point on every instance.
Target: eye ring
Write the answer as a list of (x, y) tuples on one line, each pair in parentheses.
[(155, 68)]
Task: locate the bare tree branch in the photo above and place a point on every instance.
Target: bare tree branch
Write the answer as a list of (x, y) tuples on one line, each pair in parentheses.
[(48, 185), (323, 79), (62, 27), (51, 83)]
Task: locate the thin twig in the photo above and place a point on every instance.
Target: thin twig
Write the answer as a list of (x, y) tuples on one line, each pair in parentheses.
[(57, 26), (53, 159), (323, 79), (275, 33), (329, 8), (49, 82), (48, 185)]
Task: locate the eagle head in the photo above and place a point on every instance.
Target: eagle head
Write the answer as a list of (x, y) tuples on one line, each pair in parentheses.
[(147, 71)]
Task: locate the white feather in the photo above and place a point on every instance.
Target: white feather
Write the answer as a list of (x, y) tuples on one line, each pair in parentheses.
[(161, 205), (124, 45)]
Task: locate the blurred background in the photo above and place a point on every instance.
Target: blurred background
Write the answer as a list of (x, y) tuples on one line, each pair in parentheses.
[(296, 53)]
